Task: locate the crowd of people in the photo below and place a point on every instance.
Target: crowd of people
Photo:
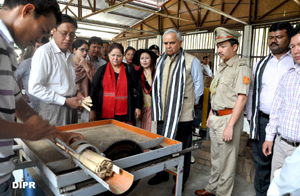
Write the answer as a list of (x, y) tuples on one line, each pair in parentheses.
[(140, 87)]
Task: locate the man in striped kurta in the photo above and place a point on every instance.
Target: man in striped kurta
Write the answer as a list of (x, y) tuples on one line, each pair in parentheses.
[(177, 87), (15, 18)]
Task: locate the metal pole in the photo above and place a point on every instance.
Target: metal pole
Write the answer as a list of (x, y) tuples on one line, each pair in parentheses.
[(26, 164), (158, 13), (215, 10)]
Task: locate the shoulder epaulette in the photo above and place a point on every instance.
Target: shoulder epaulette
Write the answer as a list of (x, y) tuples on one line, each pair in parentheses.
[(243, 62)]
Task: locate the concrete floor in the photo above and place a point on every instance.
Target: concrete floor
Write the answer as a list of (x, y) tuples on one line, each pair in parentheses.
[(199, 176)]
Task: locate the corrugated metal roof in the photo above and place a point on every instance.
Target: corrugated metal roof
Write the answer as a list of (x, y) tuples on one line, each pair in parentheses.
[(121, 18)]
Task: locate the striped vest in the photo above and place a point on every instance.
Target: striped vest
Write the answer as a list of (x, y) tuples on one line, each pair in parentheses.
[(9, 94)]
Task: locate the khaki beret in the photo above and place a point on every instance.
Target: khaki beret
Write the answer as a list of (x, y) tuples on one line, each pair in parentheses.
[(222, 34)]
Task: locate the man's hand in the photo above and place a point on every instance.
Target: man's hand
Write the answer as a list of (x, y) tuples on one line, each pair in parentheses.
[(228, 133), (92, 116), (69, 137), (26, 98), (267, 148), (74, 102), (39, 128), (207, 122), (137, 113), (80, 95)]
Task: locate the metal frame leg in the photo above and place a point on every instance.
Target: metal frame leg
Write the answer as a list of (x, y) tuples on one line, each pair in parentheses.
[(179, 177)]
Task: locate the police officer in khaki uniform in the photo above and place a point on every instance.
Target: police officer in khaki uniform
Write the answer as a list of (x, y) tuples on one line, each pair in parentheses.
[(229, 92)]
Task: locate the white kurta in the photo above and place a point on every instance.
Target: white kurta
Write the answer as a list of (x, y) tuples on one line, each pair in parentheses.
[(52, 76)]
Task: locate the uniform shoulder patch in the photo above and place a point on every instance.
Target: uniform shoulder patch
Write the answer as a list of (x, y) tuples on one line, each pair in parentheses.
[(243, 62), (246, 80)]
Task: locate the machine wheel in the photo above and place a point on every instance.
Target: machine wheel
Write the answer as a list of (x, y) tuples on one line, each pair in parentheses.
[(121, 149)]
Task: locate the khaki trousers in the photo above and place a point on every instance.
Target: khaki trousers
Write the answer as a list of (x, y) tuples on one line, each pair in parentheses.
[(223, 155), (281, 151)]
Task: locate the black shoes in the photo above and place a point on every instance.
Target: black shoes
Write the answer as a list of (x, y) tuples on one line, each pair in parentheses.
[(157, 180)]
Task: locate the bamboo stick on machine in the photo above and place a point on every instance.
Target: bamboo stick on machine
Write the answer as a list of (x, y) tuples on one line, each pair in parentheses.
[(98, 164), (113, 178)]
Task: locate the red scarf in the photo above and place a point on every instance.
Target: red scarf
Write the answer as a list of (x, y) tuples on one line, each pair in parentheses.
[(114, 95)]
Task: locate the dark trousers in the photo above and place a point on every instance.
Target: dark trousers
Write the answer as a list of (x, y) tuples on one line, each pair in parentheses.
[(261, 162), (184, 135)]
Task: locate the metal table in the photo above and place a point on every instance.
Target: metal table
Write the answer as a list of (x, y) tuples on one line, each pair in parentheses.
[(63, 177)]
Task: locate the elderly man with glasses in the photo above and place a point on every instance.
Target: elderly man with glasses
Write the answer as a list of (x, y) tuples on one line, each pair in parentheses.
[(52, 77)]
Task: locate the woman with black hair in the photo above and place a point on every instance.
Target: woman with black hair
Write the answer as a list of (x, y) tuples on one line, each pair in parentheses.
[(129, 53), (84, 70), (115, 92), (146, 59)]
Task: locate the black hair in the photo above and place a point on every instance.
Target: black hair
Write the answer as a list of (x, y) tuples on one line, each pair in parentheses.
[(78, 42), (152, 66), (42, 7), (116, 45), (233, 41), (67, 18), (280, 26), (205, 57), (95, 40), (295, 31), (154, 47), (44, 40), (105, 42), (129, 48)]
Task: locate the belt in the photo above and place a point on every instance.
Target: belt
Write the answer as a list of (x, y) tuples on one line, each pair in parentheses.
[(264, 115), (295, 144), (222, 112), (70, 96), (5, 159)]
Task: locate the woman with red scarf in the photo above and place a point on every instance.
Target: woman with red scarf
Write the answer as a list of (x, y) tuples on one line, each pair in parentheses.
[(116, 91), (146, 59)]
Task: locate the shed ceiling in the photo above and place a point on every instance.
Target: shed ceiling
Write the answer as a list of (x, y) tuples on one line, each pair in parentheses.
[(107, 25), (110, 19)]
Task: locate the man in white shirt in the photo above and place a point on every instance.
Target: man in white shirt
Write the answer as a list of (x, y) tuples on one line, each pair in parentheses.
[(95, 45), (206, 68), (285, 113), (52, 77), (267, 74), (287, 179)]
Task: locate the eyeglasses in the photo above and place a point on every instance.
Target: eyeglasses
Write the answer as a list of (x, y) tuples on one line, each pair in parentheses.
[(83, 50), (65, 34)]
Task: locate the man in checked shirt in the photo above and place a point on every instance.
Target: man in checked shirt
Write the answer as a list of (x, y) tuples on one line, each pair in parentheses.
[(285, 112)]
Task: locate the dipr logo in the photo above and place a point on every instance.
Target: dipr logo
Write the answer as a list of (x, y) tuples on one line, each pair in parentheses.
[(23, 185)]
